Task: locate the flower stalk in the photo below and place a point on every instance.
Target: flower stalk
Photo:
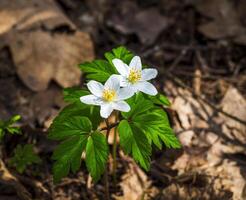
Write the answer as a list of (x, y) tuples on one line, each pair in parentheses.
[(106, 184), (114, 154)]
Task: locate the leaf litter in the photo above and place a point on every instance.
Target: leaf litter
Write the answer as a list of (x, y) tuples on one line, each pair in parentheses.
[(226, 19), (40, 51), (139, 21)]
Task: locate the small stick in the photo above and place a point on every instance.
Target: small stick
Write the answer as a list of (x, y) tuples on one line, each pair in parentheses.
[(197, 81)]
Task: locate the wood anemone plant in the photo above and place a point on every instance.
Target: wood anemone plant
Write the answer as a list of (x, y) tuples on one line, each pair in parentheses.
[(117, 83)]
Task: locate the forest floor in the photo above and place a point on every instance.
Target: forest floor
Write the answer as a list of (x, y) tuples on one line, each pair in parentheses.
[(199, 49)]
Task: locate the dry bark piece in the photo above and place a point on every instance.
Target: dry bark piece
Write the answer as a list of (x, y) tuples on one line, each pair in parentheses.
[(226, 20), (41, 53)]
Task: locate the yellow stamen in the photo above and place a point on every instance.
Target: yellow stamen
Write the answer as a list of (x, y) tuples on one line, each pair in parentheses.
[(134, 75), (108, 95)]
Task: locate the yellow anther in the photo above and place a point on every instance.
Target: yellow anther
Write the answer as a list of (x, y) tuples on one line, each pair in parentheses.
[(134, 75), (108, 95)]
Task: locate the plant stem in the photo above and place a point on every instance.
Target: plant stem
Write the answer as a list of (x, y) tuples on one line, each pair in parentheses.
[(115, 152), (110, 126), (106, 169)]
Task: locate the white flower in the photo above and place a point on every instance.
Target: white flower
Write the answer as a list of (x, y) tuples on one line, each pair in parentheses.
[(109, 96), (134, 78)]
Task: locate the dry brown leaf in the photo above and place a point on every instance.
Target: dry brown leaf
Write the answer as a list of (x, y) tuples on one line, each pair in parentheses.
[(22, 14), (214, 144), (135, 183), (235, 104), (139, 22), (41, 55), (226, 20)]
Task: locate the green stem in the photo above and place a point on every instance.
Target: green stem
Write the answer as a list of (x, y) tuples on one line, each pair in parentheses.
[(106, 184), (115, 152)]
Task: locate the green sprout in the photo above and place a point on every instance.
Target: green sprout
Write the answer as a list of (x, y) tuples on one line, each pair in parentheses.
[(9, 126), (24, 156)]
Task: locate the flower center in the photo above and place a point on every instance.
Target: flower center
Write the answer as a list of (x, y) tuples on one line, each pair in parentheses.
[(134, 75), (108, 95)]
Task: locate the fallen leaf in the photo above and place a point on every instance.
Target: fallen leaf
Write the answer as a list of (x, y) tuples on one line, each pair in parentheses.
[(21, 14), (226, 20), (43, 104), (135, 183), (235, 104), (41, 53), (40, 57), (214, 145), (139, 21)]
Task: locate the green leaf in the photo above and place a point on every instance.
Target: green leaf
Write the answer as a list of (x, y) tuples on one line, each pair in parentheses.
[(156, 126), (71, 126), (168, 137), (14, 119), (24, 156), (72, 95), (74, 131), (166, 133), (138, 105), (77, 136), (120, 53), (68, 155), (151, 120), (99, 70), (96, 155), (78, 109), (9, 126), (60, 169), (133, 141), (159, 99), (1, 133)]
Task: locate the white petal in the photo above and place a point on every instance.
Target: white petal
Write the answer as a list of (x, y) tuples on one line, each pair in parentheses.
[(124, 82), (120, 77), (134, 87), (125, 93), (147, 88), (113, 82), (148, 74), (91, 99), (136, 63), (95, 88), (106, 110), (121, 67), (121, 106)]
